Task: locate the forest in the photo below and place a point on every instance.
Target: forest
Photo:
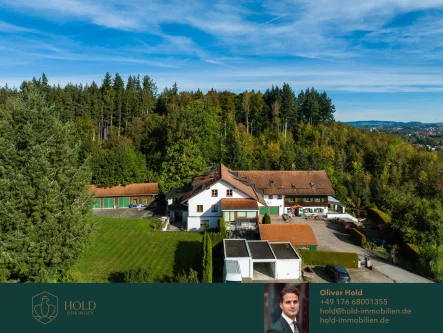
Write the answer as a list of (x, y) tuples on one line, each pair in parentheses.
[(131, 132)]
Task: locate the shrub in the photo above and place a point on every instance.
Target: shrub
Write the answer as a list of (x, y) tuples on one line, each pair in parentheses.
[(4, 275), (207, 258), (217, 237), (222, 226), (266, 219), (322, 258), (379, 216), (157, 225), (137, 275), (191, 277), (358, 237), (411, 251)]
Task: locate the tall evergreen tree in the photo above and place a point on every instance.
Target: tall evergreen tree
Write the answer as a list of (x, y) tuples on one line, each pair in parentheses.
[(43, 191)]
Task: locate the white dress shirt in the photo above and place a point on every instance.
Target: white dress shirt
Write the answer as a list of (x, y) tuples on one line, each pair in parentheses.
[(290, 321)]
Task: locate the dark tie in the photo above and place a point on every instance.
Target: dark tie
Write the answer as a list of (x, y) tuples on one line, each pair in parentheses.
[(295, 327)]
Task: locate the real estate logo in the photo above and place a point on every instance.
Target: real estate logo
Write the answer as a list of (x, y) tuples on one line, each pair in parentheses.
[(44, 307)]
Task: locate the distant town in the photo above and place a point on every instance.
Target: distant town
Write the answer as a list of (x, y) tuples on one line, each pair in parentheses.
[(426, 135)]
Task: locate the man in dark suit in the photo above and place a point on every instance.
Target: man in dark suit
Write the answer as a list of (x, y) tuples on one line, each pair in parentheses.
[(289, 305)]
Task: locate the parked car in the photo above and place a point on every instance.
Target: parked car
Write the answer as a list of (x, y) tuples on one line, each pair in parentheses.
[(338, 273), (286, 217)]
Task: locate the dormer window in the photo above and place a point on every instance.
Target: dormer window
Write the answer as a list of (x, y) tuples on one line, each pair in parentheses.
[(271, 182), (294, 186), (312, 185)]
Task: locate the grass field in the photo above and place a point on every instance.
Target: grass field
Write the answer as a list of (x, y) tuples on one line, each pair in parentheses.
[(121, 244)]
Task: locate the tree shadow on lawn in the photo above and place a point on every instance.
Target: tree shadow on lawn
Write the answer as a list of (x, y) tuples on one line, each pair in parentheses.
[(188, 255), (116, 277)]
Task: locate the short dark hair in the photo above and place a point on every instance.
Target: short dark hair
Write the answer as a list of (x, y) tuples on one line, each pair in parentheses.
[(289, 290)]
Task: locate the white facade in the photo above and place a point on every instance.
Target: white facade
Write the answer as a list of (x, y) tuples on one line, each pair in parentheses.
[(272, 200), (206, 200)]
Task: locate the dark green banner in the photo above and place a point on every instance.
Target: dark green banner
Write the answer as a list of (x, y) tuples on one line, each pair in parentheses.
[(131, 307), (216, 307)]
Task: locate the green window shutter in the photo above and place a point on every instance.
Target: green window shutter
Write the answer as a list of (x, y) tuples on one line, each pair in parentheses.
[(312, 199), (296, 199), (148, 201), (322, 199), (304, 199)]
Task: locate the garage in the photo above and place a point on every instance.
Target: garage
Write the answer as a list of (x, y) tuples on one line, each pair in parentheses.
[(237, 250), (124, 202), (108, 202), (273, 210), (96, 203), (264, 210), (288, 264), (262, 260)]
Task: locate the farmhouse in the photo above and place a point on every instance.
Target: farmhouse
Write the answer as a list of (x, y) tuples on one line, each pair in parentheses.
[(291, 192), (123, 196), (240, 197), (299, 235)]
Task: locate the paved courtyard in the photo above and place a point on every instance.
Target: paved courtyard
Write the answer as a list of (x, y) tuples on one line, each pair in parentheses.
[(331, 237)]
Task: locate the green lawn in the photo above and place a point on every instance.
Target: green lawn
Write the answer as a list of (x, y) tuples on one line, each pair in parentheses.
[(121, 244)]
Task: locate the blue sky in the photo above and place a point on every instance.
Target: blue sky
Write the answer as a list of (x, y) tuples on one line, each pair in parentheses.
[(380, 59)]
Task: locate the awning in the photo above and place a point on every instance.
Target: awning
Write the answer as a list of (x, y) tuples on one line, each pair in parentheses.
[(333, 201)]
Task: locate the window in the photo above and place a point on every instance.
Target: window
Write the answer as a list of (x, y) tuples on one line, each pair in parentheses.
[(279, 197), (215, 193), (251, 214), (199, 208), (241, 214), (317, 199), (229, 193), (294, 186), (214, 208), (204, 223), (270, 197)]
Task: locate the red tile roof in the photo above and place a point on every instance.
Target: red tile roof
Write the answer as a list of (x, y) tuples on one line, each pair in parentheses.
[(306, 182), (200, 183), (128, 190), (231, 204), (296, 234)]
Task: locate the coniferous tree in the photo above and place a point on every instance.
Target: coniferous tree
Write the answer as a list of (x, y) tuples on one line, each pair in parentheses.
[(207, 259), (43, 191)]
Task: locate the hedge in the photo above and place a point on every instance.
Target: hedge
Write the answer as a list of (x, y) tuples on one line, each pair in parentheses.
[(411, 251), (358, 237), (322, 258), (266, 219), (217, 237), (379, 216)]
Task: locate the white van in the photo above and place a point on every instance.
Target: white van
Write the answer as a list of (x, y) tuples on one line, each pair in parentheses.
[(231, 272)]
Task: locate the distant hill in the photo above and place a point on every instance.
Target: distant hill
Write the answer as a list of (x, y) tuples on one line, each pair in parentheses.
[(382, 123)]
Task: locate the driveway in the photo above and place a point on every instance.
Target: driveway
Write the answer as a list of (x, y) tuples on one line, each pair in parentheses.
[(331, 237)]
